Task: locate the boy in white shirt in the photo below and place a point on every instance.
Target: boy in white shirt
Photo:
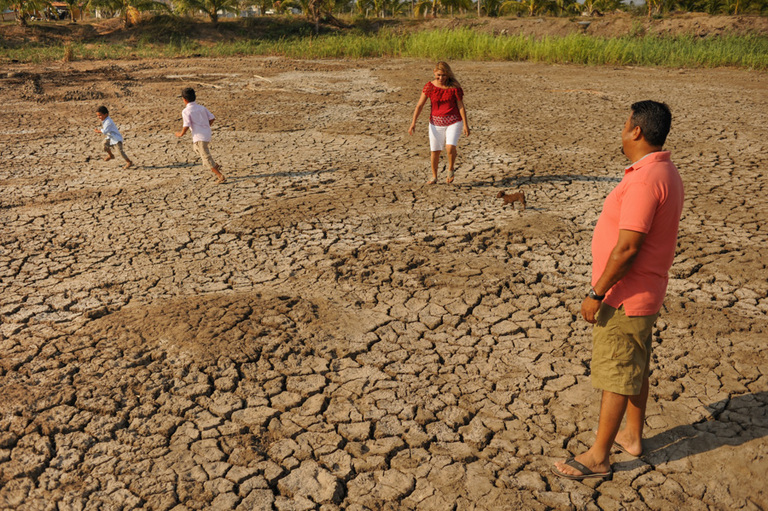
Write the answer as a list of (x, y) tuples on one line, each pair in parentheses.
[(114, 138), (197, 119)]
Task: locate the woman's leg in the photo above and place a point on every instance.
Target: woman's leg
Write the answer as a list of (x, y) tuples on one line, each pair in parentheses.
[(451, 150), (452, 134), (436, 144), (434, 160)]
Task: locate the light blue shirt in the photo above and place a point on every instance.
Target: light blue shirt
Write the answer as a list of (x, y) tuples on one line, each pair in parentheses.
[(109, 128)]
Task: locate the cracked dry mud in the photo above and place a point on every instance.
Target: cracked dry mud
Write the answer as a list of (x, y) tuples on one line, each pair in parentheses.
[(326, 332)]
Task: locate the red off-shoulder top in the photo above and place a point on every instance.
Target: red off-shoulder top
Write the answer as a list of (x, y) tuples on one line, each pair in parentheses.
[(445, 107)]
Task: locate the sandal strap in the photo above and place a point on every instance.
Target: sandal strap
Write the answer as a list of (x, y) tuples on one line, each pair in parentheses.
[(571, 462)]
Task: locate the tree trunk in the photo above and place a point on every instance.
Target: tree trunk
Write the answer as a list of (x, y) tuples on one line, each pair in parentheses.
[(214, 17)]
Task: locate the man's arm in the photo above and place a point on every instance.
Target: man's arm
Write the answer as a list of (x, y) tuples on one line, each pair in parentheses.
[(619, 263), (182, 132)]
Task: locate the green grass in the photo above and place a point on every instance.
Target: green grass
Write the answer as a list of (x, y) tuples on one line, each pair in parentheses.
[(745, 51)]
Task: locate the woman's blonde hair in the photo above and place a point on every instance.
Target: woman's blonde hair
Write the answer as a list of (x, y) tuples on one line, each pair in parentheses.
[(445, 68)]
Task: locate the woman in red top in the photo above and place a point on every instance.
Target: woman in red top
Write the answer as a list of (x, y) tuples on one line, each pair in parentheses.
[(447, 120)]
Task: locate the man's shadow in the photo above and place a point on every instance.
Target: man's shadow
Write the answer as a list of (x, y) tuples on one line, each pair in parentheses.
[(731, 422)]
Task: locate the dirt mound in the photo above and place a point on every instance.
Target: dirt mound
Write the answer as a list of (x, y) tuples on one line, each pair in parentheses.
[(204, 328), (169, 29), (613, 25)]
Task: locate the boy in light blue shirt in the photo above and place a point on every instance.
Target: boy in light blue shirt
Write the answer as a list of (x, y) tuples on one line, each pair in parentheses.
[(114, 138)]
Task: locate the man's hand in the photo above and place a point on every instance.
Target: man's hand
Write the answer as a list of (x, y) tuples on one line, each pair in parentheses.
[(180, 134), (589, 308), (96, 130), (619, 262)]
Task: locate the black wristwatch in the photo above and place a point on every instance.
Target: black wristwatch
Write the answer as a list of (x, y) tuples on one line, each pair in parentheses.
[(594, 295)]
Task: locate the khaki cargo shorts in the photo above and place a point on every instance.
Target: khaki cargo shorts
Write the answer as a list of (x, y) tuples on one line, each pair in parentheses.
[(621, 350), (201, 148)]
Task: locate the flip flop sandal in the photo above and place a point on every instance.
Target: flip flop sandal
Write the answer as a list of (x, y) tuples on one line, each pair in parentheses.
[(586, 473), (621, 448), (450, 177)]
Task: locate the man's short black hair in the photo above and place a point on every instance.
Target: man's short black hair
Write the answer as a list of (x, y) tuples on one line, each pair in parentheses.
[(188, 93), (103, 110), (654, 119)]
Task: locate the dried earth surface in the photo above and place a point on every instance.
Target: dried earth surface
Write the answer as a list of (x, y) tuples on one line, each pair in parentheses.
[(325, 331)]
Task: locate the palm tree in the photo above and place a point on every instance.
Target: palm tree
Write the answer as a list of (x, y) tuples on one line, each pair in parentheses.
[(530, 7), (396, 7), (211, 7), (491, 7), (422, 7), (610, 5), (456, 4), (74, 5), (563, 7), (264, 5), (23, 8), (434, 6), (124, 7), (315, 9), (382, 8)]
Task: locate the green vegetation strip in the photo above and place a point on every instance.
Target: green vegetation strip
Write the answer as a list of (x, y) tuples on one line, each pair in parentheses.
[(746, 51)]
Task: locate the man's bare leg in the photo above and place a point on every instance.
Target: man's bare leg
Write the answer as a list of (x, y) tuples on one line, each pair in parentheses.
[(631, 437), (597, 458), (109, 156)]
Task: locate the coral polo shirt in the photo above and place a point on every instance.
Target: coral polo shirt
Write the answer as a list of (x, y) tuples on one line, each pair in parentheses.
[(649, 199)]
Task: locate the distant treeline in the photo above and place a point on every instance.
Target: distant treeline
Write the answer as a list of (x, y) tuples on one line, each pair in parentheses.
[(325, 10)]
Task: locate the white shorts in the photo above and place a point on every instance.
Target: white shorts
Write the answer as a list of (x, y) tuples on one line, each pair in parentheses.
[(441, 136)]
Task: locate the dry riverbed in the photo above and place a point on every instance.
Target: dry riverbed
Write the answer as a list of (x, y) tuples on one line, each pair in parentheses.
[(324, 331)]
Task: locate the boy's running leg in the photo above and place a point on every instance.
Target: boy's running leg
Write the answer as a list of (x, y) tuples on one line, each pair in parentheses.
[(108, 150), (128, 162)]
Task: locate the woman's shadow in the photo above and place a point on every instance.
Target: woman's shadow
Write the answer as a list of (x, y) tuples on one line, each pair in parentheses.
[(732, 422)]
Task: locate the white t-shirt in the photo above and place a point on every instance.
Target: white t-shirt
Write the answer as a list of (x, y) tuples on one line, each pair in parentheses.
[(109, 128), (197, 118)]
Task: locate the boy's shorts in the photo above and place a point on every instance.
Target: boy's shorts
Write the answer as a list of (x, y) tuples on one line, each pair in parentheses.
[(621, 350), (201, 148), (109, 146)]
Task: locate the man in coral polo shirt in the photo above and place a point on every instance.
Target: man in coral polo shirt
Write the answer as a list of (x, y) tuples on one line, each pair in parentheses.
[(632, 250)]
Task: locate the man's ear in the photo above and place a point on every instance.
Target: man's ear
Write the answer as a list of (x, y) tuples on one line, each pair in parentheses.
[(637, 133)]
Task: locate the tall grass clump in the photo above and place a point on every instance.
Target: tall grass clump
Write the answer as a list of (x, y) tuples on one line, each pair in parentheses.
[(747, 51), (69, 54)]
